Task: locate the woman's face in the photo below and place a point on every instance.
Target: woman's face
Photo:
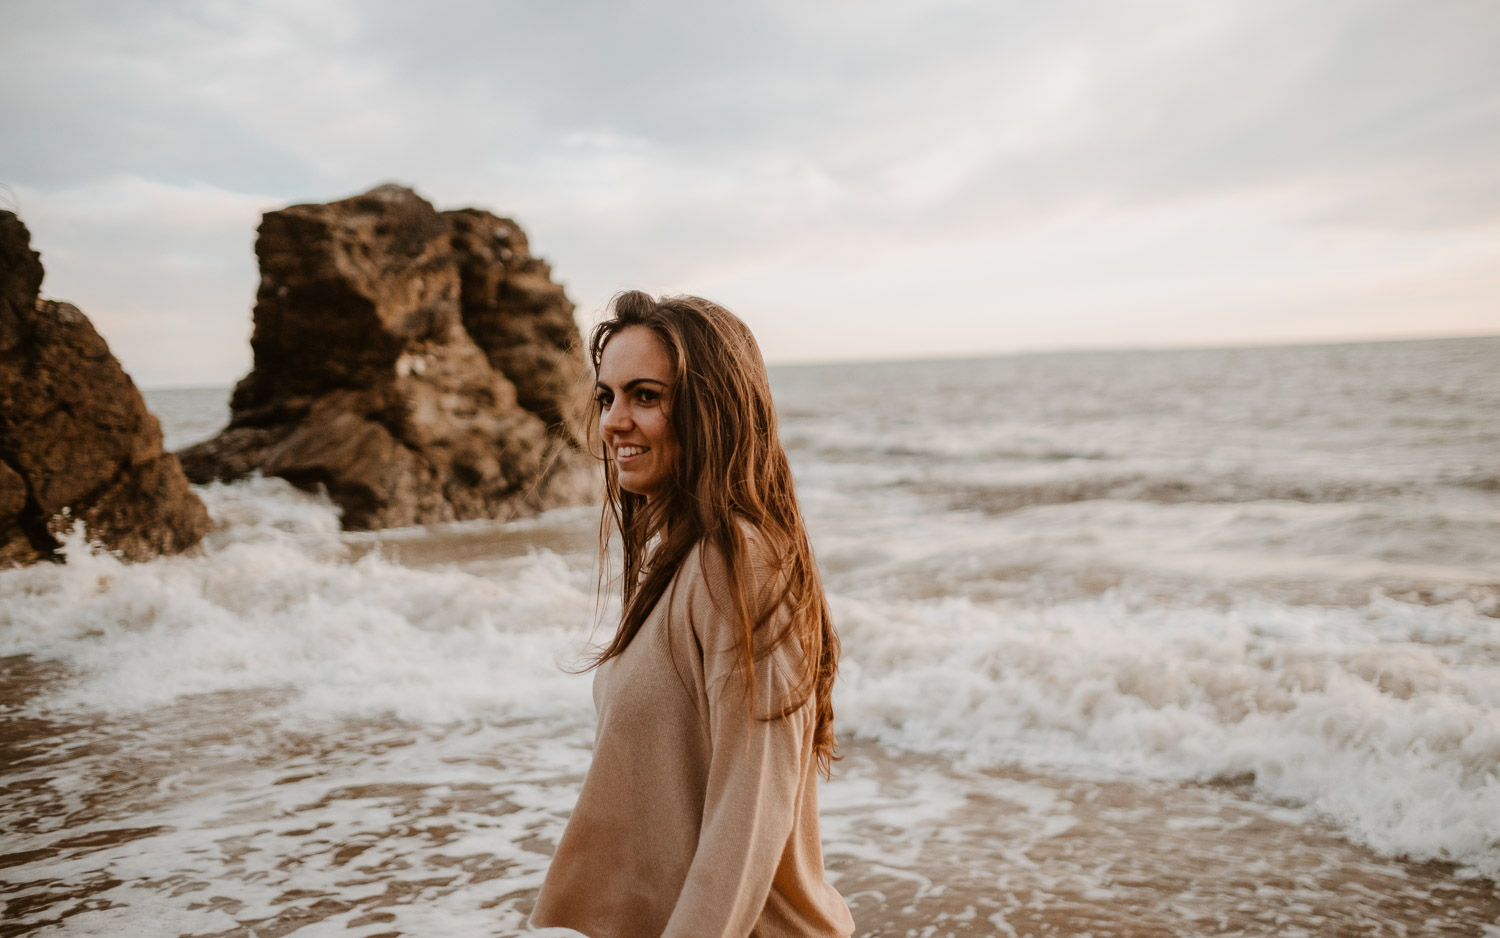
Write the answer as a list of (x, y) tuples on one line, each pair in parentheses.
[(635, 378)]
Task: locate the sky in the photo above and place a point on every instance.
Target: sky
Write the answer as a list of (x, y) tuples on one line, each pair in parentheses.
[(870, 179)]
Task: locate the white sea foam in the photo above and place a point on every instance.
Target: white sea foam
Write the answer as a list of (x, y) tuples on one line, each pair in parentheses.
[(271, 601), (1384, 718), (1343, 710)]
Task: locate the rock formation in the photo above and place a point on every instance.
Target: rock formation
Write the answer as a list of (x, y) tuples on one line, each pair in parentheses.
[(420, 366), (76, 440)]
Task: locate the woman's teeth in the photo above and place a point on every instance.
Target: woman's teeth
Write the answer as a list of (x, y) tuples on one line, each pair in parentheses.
[(624, 451)]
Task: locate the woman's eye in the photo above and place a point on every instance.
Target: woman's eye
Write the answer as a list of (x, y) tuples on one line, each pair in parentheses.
[(647, 397), (603, 399)]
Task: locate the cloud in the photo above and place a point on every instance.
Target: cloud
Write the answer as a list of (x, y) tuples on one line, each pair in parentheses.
[(669, 143)]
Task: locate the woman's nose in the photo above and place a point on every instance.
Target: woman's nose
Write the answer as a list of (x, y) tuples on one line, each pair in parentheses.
[(615, 418)]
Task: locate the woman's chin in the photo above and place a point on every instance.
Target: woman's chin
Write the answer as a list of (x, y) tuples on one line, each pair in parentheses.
[(637, 483), (644, 491)]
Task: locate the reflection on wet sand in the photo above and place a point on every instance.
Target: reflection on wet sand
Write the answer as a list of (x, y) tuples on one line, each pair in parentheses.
[(474, 546), (223, 816), (1031, 855)]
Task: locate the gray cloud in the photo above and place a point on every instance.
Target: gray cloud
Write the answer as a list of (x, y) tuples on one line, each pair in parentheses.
[(677, 142), (1392, 110), (1170, 99)]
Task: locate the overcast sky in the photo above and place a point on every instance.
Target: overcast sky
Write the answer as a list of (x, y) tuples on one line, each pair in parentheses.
[(856, 178)]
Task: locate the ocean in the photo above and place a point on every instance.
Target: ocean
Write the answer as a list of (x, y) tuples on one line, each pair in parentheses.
[(1141, 643)]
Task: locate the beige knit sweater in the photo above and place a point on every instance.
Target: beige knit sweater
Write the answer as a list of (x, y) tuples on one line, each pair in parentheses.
[(696, 820)]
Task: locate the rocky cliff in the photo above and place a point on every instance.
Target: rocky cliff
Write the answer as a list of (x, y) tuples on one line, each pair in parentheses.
[(76, 440), (420, 366)]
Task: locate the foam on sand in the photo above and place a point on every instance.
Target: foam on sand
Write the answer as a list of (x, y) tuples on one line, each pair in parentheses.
[(1385, 719), (271, 601)]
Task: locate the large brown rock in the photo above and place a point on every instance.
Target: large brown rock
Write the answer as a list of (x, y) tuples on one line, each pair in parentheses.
[(420, 366), (76, 440)]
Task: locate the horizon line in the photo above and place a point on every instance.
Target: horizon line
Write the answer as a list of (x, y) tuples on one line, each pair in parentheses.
[(1207, 346)]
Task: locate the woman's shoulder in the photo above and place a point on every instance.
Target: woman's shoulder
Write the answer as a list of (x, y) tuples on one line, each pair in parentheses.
[(759, 576), (759, 555), (717, 581)]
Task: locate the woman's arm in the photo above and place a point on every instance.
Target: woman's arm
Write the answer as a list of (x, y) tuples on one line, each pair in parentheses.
[(756, 771)]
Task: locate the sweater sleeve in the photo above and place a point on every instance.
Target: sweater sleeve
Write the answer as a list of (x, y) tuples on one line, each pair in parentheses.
[(755, 776)]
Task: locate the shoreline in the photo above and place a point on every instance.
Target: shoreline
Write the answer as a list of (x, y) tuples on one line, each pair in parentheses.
[(394, 824)]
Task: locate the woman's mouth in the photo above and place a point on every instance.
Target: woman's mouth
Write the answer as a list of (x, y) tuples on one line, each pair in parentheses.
[(627, 452)]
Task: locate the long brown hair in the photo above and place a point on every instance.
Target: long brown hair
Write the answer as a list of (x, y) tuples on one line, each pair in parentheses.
[(730, 469)]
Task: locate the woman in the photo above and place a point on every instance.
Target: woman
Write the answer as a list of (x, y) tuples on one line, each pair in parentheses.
[(699, 815)]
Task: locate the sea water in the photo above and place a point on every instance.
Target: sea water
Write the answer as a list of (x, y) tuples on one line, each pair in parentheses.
[(1135, 643)]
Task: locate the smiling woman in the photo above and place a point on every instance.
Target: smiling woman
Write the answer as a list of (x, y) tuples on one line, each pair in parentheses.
[(699, 814), (635, 377)]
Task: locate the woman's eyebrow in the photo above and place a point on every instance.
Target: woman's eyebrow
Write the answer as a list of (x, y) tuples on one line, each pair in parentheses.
[(630, 385)]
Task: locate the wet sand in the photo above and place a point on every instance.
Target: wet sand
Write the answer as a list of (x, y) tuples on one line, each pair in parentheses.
[(1035, 855), (222, 816)]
